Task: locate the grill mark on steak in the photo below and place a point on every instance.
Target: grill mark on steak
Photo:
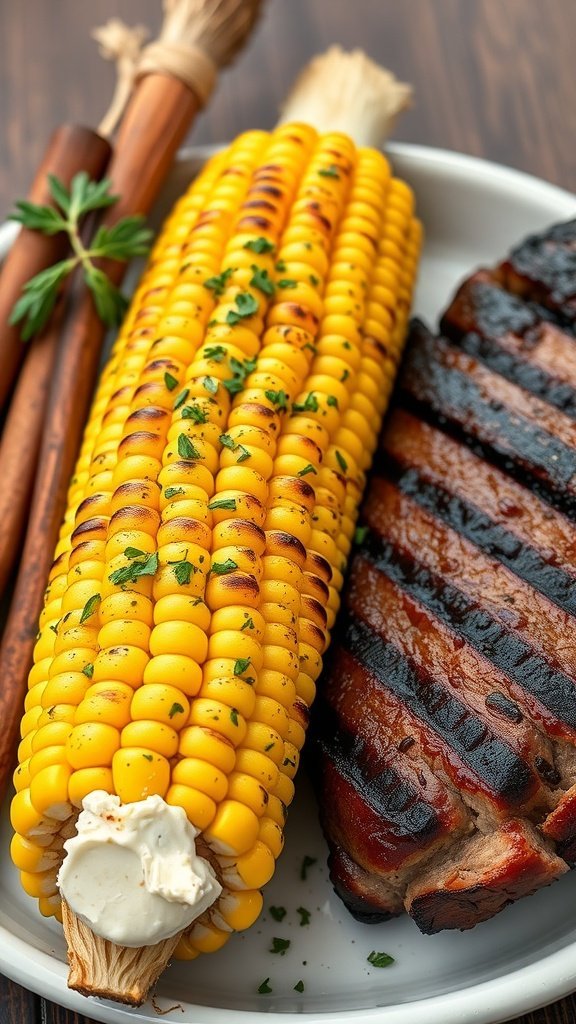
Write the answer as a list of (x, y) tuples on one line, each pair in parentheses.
[(509, 652), (543, 267), (438, 382), (444, 462), (498, 542), (486, 761), (548, 629)]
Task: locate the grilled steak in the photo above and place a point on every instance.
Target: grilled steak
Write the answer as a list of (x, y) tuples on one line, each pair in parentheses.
[(444, 737)]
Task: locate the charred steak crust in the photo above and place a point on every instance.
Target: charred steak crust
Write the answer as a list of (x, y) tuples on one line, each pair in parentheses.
[(443, 743)]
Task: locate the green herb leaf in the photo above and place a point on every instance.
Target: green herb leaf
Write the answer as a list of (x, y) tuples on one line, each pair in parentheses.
[(287, 282), (133, 553), (304, 916), (308, 862), (148, 757), (279, 946), (181, 398), (380, 959), (170, 381), (314, 280), (299, 986), (341, 461), (88, 670), (183, 571), (123, 241), (90, 607), (216, 352), (360, 534), (264, 987), (194, 413), (108, 299), (186, 449), (217, 284), (176, 709), (39, 298), (38, 218), (329, 172), (332, 401), (280, 266), (134, 570), (278, 398), (210, 385), (262, 281), (246, 305), (227, 441), (241, 665), (307, 469), (249, 624), (245, 453), (234, 385), (221, 568), (345, 375), (278, 913), (259, 245), (171, 492), (310, 404), (234, 716), (223, 503)]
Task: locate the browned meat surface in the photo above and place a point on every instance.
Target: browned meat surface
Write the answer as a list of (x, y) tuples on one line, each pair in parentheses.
[(444, 737)]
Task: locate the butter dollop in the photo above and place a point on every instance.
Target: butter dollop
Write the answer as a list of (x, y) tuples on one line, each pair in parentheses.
[(131, 872)]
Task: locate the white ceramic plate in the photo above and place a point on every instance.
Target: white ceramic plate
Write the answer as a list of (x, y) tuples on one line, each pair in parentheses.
[(473, 212)]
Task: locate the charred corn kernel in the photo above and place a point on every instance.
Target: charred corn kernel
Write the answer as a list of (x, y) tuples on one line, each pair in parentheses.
[(213, 507)]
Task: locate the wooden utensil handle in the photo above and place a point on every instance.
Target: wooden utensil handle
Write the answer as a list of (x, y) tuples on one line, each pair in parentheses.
[(72, 148)]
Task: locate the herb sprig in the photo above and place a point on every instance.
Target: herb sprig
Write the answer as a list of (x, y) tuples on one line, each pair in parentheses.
[(121, 242)]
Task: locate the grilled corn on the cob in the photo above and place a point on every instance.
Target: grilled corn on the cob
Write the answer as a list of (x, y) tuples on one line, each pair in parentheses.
[(212, 510)]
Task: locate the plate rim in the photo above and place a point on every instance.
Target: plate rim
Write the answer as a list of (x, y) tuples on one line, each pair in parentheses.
[(522, 990)]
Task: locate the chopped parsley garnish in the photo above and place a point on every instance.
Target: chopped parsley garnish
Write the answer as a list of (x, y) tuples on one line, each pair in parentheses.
[(312, 348), (314, 280), (221, 568), (170, 381), (171, 492), (310, 404), (133, 553), (308, 862), (287, 282), (329, 172), (279, 946), (341, 461), (345, 375), (264, 987), (227, 441), (259, 245), (181, 398), (241, 665), (262, 281), (88, 670), (278, 913), (280, 266), (234, 716), (245, 453), (234, 385), (360, 534), (304, 916), (249, 624), (218, 283), (90, 607), (183, 571), (176, 709), (215, 352), (210, 385), (194, 413), (278, 398), (186, 449), (332, 401), (299, 986), (246, 305), (380, 959), (132, 572), (223, 503), (307, 469)]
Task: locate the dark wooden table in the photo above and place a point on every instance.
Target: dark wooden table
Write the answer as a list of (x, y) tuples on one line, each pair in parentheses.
[(492, 79)]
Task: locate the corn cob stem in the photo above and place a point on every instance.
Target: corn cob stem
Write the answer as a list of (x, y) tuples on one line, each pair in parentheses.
[(227, 448)]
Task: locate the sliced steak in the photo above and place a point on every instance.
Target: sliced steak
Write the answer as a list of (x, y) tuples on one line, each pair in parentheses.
[(444, 737)]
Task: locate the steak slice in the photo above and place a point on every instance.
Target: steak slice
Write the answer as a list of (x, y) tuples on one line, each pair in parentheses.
[(444, 738)]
